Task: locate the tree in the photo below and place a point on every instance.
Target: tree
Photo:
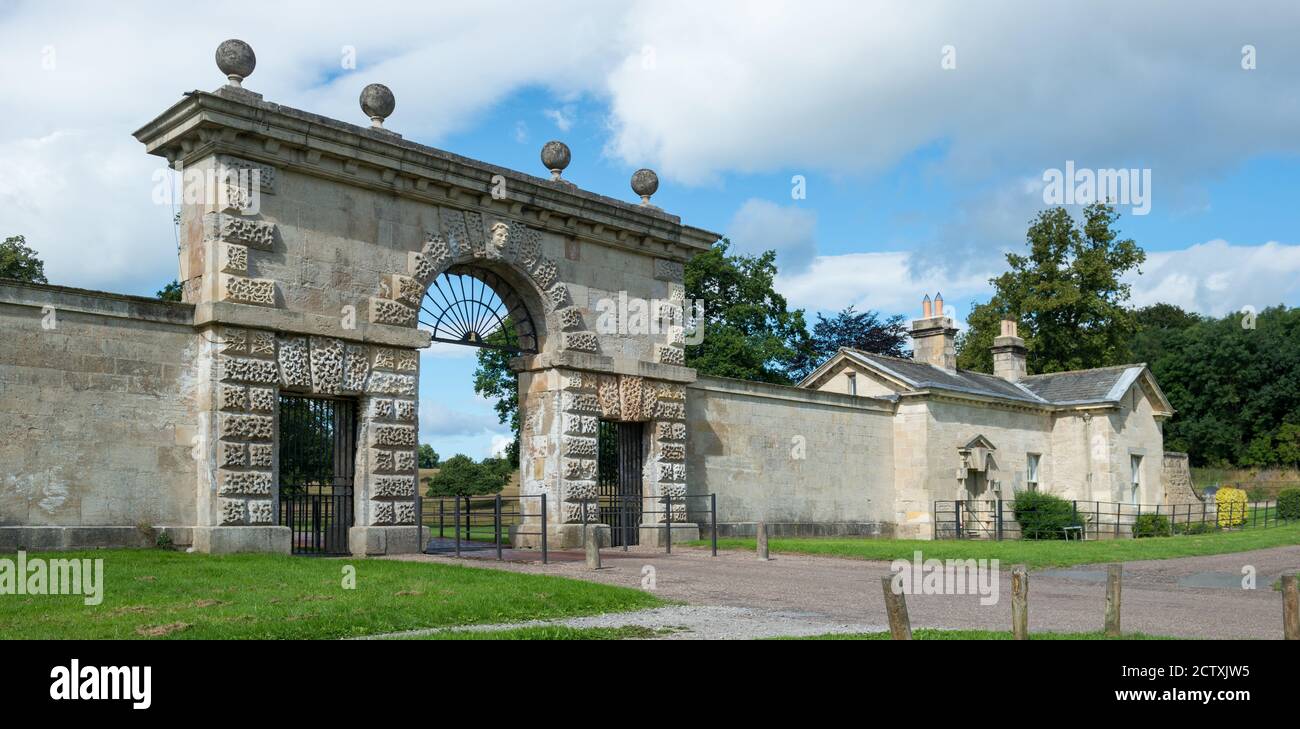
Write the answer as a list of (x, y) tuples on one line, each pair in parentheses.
[(748, 332), (1235, 388), (461, 476), (1159, 326), (17, 261), (428, 457), (170, 292), (859, 330), (1067, 295), (493, 378)]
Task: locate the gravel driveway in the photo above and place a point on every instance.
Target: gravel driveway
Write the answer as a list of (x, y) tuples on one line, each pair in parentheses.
[(1195, 597)]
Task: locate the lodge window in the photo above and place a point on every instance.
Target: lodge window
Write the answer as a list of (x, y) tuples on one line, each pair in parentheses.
[(853, 383), (1135, 464), (1031, 471)]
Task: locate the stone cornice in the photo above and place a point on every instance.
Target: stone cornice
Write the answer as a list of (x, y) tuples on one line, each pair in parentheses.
[(295, 322), (239, 123), (568, 359)]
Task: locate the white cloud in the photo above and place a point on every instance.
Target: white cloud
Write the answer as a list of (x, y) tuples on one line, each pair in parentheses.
[(562, 117), (1212, 278), (1218, 277), (884, 282), (760, 225), (438, 420), (499, 445), (852, 87)]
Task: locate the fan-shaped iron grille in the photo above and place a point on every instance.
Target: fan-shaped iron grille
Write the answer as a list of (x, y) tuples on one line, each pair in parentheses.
[(476, 307)]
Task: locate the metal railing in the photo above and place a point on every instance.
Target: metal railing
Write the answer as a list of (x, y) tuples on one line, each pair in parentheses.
[(481, 523), (478, 523), (998, 519), (628, 517)]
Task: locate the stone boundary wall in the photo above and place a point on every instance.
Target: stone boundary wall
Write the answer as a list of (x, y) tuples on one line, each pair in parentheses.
[(808, 463), (1177, 477), (97, 418)]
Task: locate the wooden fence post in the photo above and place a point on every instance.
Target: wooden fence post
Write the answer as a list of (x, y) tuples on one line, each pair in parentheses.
[(1020, 602), (1114, 579), (900, 627), (1290, 608), (761, 535)]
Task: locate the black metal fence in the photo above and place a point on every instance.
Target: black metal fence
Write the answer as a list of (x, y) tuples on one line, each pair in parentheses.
[(998, 519), (496, 523), (628, 517), (478, 523)]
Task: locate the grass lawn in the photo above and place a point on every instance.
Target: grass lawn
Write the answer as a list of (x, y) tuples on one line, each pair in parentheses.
[(1032, 553), (157, 593), (932, 634)]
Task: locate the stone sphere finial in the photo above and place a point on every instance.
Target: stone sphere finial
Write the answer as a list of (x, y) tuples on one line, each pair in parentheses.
[(378, 102), (644, 183), (556, 156), (236, 59)]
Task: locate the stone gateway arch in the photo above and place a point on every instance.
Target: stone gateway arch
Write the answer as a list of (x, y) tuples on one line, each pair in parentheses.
[(318, 291), (306, 247)]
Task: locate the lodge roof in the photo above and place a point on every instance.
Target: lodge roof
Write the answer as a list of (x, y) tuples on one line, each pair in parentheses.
[(1101, 386)]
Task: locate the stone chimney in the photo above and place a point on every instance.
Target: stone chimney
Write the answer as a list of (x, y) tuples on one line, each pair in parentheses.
[(934, 337), (1009, 353)]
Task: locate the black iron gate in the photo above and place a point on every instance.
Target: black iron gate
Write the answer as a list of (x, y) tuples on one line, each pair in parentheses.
[(619, 466), (317, 455)]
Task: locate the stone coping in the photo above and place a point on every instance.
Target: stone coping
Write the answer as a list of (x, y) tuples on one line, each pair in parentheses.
[(89, 301), (795, 394)]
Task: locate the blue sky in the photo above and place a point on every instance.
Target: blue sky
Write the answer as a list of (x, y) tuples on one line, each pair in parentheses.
[(920, 174)]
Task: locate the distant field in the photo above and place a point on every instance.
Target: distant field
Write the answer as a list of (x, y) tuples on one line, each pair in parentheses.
[(1270, 480)]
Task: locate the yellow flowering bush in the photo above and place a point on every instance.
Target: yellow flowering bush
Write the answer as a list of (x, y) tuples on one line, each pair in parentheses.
[(1231, 503)]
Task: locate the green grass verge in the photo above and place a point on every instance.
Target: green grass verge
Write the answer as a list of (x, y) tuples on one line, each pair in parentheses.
[(1032, 553), (551, 632), (156, 593), (932, 634)]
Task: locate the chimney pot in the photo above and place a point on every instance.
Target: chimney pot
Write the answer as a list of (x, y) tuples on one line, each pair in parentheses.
[(938, 304), (925, 307)]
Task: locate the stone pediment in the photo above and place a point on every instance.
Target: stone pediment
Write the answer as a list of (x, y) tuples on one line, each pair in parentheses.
[(977, 455)]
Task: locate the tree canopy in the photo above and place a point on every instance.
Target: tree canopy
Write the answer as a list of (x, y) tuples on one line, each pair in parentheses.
[(427, 456), (461, 476), (1236, 389), (18, 261), (1067, 295), (170, 292), (864, 330), (749, 332)]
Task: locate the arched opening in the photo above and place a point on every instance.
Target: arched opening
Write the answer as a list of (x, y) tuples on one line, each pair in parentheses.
[(480, 316)]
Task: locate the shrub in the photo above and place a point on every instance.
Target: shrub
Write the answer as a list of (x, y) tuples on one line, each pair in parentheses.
[(1044, 516), (1288, 504), (1151, 525), (1231, 503), (1195, 527)]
